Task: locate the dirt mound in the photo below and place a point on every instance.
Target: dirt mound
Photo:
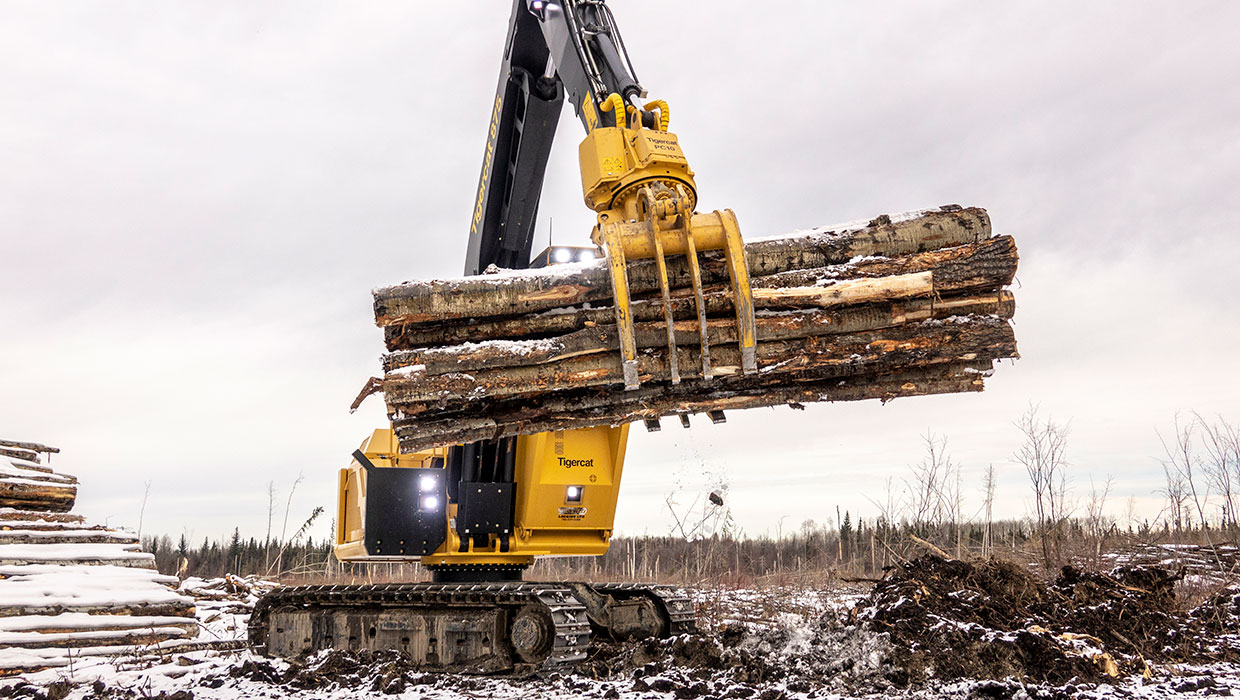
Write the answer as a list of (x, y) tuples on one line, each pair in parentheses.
[(388, 672), (951, 619), (743, 661)]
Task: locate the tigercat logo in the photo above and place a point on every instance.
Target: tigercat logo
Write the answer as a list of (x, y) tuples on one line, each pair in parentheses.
[(565, 462), (486, 164), (668, 145)]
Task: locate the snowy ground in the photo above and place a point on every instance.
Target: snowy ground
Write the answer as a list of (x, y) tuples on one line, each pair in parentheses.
[(780, 624)]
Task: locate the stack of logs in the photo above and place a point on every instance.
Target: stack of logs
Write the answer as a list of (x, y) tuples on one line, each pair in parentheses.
[(903, 305), (70, 589)]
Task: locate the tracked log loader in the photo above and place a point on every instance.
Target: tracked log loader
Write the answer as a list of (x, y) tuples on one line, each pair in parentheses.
[(477, 515)]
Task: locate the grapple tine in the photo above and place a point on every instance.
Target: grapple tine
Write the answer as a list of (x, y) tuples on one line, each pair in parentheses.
[(695, 277), (738, 270), (624, 316), (673, 362)]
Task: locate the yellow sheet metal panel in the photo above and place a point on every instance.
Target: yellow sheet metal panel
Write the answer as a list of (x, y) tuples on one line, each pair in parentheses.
[(657, 148), (603, 161), (567, 485)]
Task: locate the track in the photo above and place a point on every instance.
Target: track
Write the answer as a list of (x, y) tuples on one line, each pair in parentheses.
[(464, 628)]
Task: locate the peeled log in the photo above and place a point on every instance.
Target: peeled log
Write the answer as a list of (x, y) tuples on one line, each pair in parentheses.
[(522, 292)]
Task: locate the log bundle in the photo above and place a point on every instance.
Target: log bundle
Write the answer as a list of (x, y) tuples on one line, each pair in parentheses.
[(69, 588), (902, 305)]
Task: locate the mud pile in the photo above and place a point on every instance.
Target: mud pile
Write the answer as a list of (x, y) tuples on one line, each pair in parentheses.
[(387, 672), (988, 624), (950, 619)]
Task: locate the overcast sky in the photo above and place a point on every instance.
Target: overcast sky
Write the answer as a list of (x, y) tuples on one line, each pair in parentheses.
[(196, 199)]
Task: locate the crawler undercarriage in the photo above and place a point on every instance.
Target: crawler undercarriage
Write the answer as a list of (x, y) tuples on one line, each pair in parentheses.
[(467, 627)]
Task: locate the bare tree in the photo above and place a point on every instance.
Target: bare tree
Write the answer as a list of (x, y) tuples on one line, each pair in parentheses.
[(1180, 467), (988, 486), (146, 493), (1095, 512), (1221, 465), (1042, 453), (271, 511), (931, 499)]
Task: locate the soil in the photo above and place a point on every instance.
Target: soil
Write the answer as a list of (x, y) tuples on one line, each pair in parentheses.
[(931, 627)]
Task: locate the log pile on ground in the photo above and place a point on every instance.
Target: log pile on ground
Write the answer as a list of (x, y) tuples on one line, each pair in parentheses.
[(903, 305), (69, 589)]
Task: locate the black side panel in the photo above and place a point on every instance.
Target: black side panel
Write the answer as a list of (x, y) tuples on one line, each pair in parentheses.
[(405, 513), (484, 509)]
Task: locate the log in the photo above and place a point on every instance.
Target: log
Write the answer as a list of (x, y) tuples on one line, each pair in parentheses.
[(891, 347), (31, 446), (16, 453), (566, 416), (581, 408), (650, 334), (36, 495), (8, 513), (985, 265), (523, 292)]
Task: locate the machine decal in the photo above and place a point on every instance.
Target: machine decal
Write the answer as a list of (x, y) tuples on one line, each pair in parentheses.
[(486, 164), (587, 108), (572, 513), (569, 463)]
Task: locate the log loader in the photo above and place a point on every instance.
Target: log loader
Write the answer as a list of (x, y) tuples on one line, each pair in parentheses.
[(477, 515)]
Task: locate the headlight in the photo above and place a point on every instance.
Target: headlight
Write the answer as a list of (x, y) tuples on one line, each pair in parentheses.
[(573, 494), (562, 255), (427, 482), (429, 502)]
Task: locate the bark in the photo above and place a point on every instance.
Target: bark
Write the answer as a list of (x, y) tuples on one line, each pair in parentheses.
[(136, 609), (88, 537), (986, 265), (32, 446), (566, 413), (25, 516), (532, 291), (32, 495), (892, 347), (16, 453), (651, 334)]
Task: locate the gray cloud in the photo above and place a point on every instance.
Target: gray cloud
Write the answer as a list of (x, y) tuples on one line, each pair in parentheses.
[(195, 202)]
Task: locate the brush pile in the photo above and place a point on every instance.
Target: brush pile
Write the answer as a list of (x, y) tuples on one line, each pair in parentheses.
[(902, 305)]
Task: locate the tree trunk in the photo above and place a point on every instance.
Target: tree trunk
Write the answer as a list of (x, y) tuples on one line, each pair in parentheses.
[(529, 291), (986, 265)]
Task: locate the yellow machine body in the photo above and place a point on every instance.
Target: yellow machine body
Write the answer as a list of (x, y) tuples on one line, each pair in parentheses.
[(568, 482)]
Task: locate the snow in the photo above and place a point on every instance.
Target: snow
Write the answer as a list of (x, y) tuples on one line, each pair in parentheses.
[(789, 612), (5, 479), (52, 585), (29, 472), (69, 534), (848, 227), (73, 552), (544, 276), (86, 621)]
